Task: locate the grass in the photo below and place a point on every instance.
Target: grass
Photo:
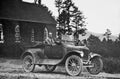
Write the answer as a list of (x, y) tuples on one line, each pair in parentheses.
[(111, 65)]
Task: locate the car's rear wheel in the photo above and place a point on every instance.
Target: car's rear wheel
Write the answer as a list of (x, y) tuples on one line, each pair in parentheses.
[(50, 68), (28, 63), (73, 65), (97, 66)]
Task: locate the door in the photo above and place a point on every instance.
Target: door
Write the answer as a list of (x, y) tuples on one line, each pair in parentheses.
[(47, 51), (57, 51), (54, 52)]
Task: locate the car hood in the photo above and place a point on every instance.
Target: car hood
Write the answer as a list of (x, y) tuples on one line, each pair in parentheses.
[(73, 47)]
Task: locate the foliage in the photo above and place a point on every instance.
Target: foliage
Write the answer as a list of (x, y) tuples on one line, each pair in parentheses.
[(46, 8), (105, 48), (69, 16), (107, 33), (94, 44), (119, 37), (111, 65), (110, 51)]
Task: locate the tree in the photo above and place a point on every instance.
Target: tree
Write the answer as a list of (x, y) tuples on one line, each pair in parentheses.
[(119, 37), (119, 40), (64, 15), (95, 44), (107, 34), (69, 16), (58, 4), (79, 22)]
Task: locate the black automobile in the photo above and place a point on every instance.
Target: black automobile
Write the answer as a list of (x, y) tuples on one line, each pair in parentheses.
[(71, 56)]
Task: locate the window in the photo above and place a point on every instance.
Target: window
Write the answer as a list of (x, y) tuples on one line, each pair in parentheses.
[(45, 33), (17, 34), (1, 34), (33, 1), (32, 36)]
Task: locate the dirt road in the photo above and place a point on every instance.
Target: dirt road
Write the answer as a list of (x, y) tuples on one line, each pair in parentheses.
[(12, 69)]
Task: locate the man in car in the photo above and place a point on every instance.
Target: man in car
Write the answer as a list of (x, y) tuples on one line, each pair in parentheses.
[(49, 40)]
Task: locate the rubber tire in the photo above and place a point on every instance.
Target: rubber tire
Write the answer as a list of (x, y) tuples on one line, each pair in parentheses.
[(48, 69), (80, 62), (33, 65), (98, 70)]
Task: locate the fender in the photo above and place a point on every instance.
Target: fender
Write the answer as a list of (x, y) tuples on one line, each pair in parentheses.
[(36, 53), (92, 55), (80, 52)]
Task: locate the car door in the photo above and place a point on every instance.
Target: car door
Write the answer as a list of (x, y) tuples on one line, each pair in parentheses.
[(47, 51), (57, 51)]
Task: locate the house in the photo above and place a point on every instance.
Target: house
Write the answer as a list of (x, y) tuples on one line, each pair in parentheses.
[(23, 24)]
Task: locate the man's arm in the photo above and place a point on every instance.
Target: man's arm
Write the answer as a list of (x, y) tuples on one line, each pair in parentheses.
[(47, 41), (57, 41)]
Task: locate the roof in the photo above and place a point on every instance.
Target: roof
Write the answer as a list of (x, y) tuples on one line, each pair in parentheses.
[(21, 11)]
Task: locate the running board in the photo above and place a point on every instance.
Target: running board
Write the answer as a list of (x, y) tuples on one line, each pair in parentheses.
[(49, 61), (88, 66)]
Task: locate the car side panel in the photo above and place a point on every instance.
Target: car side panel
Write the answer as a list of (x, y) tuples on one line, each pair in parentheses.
[(36, 53), (57, 52), (48, 51), (40, 57)]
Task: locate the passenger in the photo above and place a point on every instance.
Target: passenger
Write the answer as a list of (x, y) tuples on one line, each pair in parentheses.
[(49, 40)]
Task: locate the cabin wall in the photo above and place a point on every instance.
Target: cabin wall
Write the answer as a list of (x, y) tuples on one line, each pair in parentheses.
[(11, 48), (26, 31), (8, 31)]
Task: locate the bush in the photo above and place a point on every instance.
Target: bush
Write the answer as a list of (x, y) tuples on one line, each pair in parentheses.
[(109, 50), (111, 65)]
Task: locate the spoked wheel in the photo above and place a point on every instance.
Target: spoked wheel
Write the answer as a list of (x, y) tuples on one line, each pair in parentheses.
[(73, 65), (28, 64), (50, 68), (97, 66)]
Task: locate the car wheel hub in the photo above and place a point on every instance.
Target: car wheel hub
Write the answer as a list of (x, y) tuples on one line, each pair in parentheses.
[(73, 64)]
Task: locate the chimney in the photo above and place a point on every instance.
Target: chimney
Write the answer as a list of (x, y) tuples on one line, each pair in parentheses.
[(39, 2)]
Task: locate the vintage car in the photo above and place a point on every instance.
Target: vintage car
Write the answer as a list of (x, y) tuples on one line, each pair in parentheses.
[(71, 56)]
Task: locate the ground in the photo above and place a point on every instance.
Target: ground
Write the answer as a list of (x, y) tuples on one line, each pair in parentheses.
[(12, 69)]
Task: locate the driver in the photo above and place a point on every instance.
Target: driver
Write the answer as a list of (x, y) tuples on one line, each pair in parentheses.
[(49, 40)]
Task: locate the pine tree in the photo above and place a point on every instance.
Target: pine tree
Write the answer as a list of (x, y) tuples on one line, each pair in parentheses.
[(68, 13), (94, 44), (107, 34), (119, 37)]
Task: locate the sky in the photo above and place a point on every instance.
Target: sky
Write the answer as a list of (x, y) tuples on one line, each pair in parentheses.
[(100, 14)]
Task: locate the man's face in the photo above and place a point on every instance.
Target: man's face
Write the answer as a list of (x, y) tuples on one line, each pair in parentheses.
[(50, 35)]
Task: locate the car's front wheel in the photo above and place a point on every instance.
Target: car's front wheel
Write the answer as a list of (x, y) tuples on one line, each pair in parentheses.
[(97, 66), (73, 65), (50, 68), (28, 64)]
